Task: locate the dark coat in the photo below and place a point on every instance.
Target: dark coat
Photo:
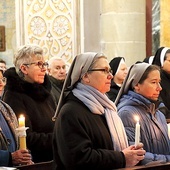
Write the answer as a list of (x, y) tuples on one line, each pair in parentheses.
[(82, 140), (114, 90), (36, 103), (153, 126), (8, 123), (56, 88), (165, 92)]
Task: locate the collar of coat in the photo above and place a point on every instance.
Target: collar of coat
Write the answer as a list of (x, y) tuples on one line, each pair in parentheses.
[(34, 90)]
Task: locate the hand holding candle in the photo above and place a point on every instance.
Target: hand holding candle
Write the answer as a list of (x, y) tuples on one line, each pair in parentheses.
[(137, 131)]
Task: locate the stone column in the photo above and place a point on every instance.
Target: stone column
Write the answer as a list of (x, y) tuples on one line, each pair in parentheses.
[(123, 29)]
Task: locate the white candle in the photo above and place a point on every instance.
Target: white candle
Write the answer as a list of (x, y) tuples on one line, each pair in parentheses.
[(21, 121), (168, 130), (137, 131)]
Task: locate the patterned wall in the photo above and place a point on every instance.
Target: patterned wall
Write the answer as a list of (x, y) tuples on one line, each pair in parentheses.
[(7, 19), (50, 23)]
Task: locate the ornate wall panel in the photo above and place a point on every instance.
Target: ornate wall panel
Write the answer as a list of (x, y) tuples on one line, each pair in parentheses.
[(49, 23)]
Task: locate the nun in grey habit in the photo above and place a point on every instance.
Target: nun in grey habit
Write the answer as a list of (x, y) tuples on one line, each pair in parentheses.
[(131, 102), (88, 133)]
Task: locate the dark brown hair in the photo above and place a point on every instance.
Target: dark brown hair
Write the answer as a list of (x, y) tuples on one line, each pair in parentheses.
[(147, 71)]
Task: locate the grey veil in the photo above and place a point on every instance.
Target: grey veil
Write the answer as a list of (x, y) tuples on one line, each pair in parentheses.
[(78, 68), (133, 77)]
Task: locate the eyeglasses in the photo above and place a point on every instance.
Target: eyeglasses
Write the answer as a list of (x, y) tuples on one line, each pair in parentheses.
[(40, 64), (3, 80), (105, 70)]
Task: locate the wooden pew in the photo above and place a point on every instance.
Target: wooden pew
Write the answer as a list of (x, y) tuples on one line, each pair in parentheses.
[(37, 166), (156, 166), (49, 166)]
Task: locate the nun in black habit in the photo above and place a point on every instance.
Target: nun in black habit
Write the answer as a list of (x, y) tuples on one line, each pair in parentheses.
[(162, 59)]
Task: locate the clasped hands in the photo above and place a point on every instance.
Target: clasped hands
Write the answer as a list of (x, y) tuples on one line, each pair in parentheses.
[(22, 157), (134, 154)]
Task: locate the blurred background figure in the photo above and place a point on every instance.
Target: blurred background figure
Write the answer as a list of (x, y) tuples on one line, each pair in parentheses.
[(57, 75), (162, 59), (28, 92), (149, 59), (2, 82), (3, 65), (120, 70)]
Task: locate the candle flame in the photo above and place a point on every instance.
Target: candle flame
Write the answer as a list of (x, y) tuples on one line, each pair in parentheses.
[(21, 116), (137, 118)]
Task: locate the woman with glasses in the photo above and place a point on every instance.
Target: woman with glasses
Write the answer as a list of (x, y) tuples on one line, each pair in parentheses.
[(88, 133), (28, 92), (9, 153)]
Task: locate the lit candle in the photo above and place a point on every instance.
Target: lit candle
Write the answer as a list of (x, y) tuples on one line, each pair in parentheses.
[(21, 121), (22, 136), (168, 130), (137, 131)]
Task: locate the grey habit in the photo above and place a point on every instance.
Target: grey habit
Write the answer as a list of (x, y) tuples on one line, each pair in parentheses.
[(133, 77), (79, 67)]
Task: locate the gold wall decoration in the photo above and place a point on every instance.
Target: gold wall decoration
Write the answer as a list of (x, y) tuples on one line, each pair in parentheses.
[(48, 23)]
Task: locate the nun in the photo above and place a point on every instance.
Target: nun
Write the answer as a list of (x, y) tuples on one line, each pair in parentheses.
[(120, 70), (149, 59), (88, 132), (138, 97), (162, 59)]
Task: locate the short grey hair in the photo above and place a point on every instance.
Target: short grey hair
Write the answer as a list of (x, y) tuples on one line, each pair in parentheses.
[(52, 59), (25, 54)]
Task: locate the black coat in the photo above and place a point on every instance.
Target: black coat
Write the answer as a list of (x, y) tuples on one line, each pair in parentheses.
[(165, 92), (82, 140), (56, 88), (36, 103), (114, 90)]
